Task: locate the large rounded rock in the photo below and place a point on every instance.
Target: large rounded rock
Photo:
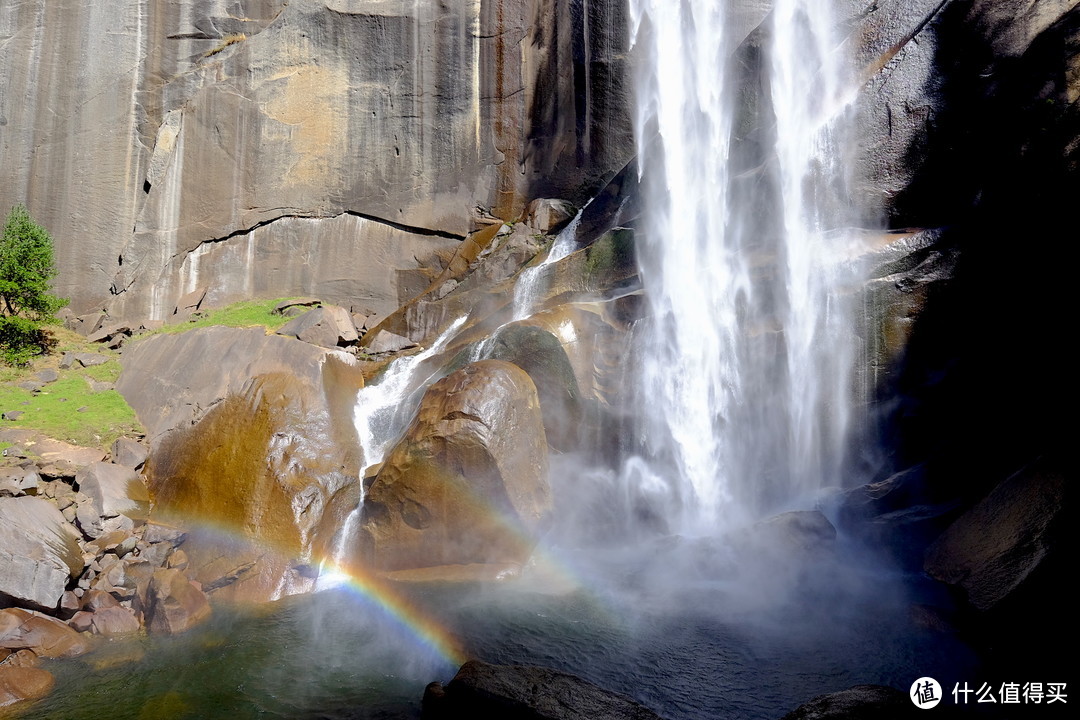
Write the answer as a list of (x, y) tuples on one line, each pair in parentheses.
[(468, 483), (991, 550), (23, 684), (248, 453), (39, 552)]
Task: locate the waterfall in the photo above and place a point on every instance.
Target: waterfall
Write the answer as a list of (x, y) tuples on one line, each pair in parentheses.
[(746, 362)]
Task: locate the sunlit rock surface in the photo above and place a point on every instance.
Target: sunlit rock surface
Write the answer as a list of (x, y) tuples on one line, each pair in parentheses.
[(39, 552), (468, 482), (23, 684), (253, 454), (178, 145), (46, 636)]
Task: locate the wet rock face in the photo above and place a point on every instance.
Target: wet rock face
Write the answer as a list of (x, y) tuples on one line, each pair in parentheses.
[(234, 136), (468, 482)]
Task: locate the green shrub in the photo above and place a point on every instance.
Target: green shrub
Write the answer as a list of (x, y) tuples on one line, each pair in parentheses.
[(26, 303)]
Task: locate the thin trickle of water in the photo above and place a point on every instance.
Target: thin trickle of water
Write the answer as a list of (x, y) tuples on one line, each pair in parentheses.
[(528, 287), (384, 409), (383, 412), (745, 370)]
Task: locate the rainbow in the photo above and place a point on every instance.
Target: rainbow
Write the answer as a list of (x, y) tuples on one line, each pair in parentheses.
[(394, 604)]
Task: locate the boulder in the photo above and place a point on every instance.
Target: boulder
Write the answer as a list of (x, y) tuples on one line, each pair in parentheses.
[(991, 550), (548, 216), (39, 552), (46, 636), (174, 604), (129, 453), (115, 621), (481, 690), (385, 341), (296, 306), (327, 326), (468, 482), (114, 490), (857, 703), (23, 684), (280, 428)]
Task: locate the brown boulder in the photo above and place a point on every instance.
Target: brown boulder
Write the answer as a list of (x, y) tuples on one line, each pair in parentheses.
[(468, 482), (279, 428), (46, 636), (22, 684), (175, 603)]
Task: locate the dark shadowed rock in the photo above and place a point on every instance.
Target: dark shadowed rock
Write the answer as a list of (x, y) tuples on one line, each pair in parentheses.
[(481, 691), (296, 306), (993, 548), (39, 552), (857, 703), (468, 482), (327, 326)]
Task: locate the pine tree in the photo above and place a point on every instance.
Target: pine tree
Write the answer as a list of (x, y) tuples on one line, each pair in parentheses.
[(26, 303)]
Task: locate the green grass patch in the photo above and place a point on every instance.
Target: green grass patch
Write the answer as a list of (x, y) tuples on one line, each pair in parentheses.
[(55, 410), (249, 313)]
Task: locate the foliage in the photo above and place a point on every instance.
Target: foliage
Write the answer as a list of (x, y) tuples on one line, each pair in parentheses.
[(249, 313), (26, 269)]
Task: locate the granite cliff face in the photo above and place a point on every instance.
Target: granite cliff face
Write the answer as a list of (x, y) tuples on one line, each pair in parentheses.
[(330, 148)]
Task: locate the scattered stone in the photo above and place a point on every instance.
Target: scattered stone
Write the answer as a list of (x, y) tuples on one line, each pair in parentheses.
[(61, 460), (480, 690), (90, 323), (108, 333), (47, 376), (23, 684), (129, 453), (328, 326), (155, 532), (174, 603), (46, 636), (90, 359), (189, 303), (31, 386), (385, 341), (39, 552), (296, 306), (67, 361), (21, 658), (856, 703), (84, 408)]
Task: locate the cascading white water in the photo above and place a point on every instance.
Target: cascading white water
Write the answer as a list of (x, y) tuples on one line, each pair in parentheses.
[(528, 286), (383, 411), (746, 365)]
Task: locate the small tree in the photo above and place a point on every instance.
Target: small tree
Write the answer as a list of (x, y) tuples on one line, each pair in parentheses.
[(26, 269)]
